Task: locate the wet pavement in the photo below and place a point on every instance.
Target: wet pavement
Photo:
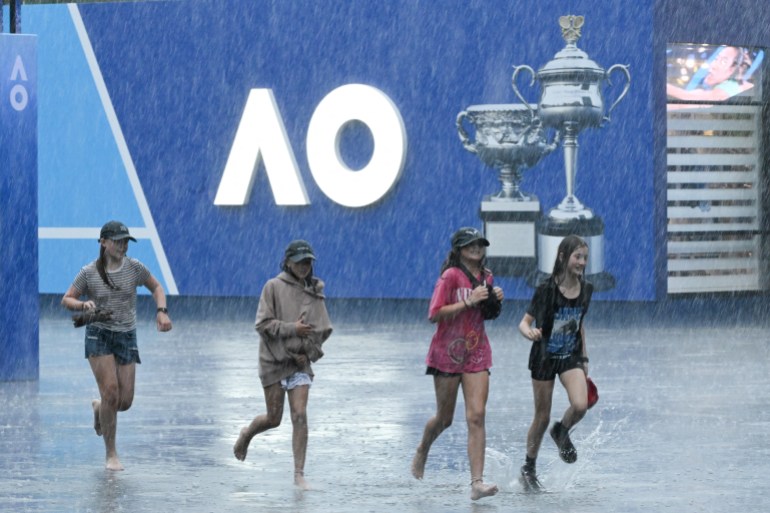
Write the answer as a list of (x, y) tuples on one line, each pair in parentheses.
[(681, 424)]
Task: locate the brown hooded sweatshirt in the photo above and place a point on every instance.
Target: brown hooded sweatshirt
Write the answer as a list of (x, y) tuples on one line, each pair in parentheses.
[(284, 299)]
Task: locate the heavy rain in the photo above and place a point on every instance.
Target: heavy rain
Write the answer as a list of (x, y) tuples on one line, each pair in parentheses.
[(219, 131), (680, 423)]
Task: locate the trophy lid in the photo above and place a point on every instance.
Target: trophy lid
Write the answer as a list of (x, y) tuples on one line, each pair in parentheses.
[(570, 59)]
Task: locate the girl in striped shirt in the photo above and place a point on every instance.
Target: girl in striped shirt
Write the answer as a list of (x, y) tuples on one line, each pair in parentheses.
[(109, 284)]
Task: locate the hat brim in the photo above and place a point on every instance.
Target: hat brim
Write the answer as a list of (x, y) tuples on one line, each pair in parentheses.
[(482, 239), (301, 256), (121, 237)]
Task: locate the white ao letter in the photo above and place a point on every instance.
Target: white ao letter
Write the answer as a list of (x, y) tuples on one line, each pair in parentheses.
[(261, 134), (18, 71), (373, 108), (19, 97)]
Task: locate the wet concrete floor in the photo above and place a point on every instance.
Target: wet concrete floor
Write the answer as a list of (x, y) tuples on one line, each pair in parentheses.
[(681, 425)]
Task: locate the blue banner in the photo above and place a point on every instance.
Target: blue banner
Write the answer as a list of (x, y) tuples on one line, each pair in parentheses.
[(220, 131), (19, 343)]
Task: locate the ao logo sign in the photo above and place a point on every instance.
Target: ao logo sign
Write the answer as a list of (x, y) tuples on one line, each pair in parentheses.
[(261, 134), (19, 97)]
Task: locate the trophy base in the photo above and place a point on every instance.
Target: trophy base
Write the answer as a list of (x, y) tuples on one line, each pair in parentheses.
[(510, 228), (551, 231)]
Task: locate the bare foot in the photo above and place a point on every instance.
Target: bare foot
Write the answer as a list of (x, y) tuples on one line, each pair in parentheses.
[(299, 480), (113, 463), (241, 446), (95, 404), (479, 490), (418, 464)]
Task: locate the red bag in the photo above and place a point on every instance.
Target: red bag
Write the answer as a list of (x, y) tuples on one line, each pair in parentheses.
[(593, 392)]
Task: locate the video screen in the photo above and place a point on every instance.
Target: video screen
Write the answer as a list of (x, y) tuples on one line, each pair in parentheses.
[(713, 73)]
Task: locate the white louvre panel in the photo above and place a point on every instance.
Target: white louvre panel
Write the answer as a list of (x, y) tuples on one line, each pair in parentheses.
[(689, 248), (713, 199), (712, 177), (711, 160), (744, 193), (718, 283)]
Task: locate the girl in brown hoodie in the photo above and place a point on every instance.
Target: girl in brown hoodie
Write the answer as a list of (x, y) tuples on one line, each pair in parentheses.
[(293, 324)]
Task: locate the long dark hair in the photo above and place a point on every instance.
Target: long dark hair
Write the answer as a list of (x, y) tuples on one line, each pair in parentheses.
[(100, 268), (453, 260), (567, 246), (309, 281)]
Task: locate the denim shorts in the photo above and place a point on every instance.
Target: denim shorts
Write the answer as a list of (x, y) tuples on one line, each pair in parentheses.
[(296, 380), (121, 344)]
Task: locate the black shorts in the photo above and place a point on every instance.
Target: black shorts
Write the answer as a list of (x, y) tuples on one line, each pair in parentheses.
[(546, 369), (432, 371)]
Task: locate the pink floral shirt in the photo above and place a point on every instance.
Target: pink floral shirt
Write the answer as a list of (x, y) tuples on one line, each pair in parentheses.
[(460, 344)]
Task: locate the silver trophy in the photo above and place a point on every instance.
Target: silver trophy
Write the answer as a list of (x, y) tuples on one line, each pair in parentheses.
[(508, 138), (571, 101)]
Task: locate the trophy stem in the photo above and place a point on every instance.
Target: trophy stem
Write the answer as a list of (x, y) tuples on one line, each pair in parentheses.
[(510, 177), (570, 203)]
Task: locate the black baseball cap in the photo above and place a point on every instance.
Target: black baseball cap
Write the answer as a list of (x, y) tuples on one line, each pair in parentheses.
[(467, 235), (299, 250), (115, 230)]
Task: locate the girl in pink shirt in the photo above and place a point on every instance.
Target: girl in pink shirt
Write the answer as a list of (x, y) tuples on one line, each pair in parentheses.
[(460, 353)]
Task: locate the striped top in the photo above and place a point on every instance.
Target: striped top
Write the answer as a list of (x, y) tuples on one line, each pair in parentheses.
[(121, 302)]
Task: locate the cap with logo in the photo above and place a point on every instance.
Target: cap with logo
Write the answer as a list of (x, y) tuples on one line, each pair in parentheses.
[(115, 230), (467, 235), (299, 250)]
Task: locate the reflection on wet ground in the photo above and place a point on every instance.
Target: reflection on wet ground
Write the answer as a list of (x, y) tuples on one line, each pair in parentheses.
[(681, 424)]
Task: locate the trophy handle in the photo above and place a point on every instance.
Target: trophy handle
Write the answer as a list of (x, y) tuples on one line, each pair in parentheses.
[(467, 144), (516, 70), (624, 68)]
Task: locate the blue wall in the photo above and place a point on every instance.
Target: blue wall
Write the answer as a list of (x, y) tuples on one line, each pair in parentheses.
[(178, 74), (19, 347)]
